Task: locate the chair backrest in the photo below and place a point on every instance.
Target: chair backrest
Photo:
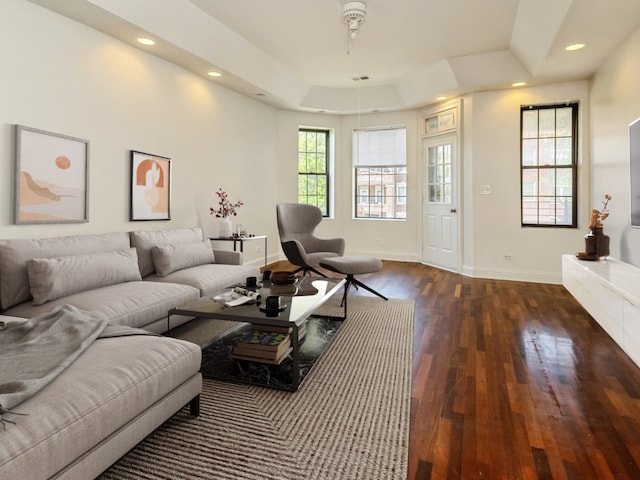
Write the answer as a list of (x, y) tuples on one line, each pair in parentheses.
[(296, 225), (297, 221)]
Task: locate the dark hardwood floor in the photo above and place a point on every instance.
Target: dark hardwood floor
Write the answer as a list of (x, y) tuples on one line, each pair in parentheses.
[(512, 380)]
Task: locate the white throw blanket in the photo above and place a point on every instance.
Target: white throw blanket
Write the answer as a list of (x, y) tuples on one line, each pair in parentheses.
[(35, 352)]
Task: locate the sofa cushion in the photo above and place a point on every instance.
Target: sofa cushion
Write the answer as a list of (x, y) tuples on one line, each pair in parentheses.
[(103, 390), (145, 240), (134, 304), (169, 258), (209, 279), (51, 278), (14, 253)]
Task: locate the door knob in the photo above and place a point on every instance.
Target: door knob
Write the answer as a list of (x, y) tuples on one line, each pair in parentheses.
[(453, 210)]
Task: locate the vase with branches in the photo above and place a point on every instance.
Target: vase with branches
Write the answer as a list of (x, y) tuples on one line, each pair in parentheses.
[(596, 242), (225, 209)]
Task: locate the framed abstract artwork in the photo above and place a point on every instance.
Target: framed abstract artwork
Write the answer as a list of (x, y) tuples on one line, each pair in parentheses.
[(150, 187), (51, 177)]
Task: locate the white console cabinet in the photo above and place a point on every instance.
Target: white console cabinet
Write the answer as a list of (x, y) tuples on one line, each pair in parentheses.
[(610, 291)]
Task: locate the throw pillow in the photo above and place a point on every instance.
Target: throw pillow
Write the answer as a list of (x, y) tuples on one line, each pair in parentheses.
[(145, 240), (52, 278), (170, 258), (15, 252)]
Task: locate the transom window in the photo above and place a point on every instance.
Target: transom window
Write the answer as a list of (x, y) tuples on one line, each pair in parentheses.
[(380, 172), (313, 168), (548, 164)]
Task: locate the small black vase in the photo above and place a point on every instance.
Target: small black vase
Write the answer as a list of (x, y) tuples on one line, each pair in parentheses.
[(596, 242)]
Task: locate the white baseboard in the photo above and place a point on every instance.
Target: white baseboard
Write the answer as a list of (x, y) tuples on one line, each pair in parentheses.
[(513, 275)]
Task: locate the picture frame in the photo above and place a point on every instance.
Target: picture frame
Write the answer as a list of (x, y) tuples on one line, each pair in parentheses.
[(51, 182), (150, 187)]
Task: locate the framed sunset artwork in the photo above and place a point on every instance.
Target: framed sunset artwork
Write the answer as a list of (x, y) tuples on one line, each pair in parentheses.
[(150, 187), (51, 177)]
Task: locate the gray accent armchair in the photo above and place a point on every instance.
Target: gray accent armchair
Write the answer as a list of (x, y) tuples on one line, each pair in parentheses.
[(296, 224)]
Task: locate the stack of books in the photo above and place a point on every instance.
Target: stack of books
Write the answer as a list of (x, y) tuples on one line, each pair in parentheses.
[(262, 346), (266, 346), (302, 330)]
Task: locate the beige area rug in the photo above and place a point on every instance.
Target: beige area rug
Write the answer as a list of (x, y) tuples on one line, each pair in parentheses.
[(349, 420)]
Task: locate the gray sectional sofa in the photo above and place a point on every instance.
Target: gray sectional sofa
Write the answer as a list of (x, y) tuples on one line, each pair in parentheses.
[(120, 388)]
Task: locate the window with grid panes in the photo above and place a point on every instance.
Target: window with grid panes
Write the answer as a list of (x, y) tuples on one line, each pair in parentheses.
[(380, 172), (313, 168), (548, 164)]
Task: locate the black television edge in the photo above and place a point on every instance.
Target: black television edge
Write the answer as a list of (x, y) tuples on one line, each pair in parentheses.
[(634, 163)]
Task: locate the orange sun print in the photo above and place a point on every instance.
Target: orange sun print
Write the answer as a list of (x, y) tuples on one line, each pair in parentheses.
[(63, 162)]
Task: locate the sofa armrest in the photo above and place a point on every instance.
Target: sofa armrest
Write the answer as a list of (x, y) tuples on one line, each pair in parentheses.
[(228, 257)]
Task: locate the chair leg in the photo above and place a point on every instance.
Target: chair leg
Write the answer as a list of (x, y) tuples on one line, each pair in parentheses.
[(305, 270), (366, 287), (351, 280), (347, 286)]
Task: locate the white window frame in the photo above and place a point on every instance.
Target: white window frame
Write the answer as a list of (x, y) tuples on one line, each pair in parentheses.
[(330, 164), (380, 153)]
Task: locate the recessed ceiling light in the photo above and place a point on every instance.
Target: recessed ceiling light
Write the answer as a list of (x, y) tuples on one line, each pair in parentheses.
[(441, 98), (575, 46), (214, 74), (145, 41), (519, 84), (260, 95)]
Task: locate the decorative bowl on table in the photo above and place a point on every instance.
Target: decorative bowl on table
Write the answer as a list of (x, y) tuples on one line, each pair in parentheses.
[(283, 278)]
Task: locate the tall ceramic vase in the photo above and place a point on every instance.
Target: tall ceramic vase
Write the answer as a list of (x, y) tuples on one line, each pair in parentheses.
[(597, 243), (224, 228)]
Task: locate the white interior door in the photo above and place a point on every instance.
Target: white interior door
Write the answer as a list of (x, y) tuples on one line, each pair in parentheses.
[(440, 194)]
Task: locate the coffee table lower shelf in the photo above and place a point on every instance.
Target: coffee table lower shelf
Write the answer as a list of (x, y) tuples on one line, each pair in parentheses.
[(218, 365), (297, 307)]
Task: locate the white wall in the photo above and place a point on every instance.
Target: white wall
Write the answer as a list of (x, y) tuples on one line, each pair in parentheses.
[(63, 77), (492, 157), (615, 103)]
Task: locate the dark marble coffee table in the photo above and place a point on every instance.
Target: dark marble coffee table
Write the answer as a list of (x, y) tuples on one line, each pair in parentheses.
[(297, 304)]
